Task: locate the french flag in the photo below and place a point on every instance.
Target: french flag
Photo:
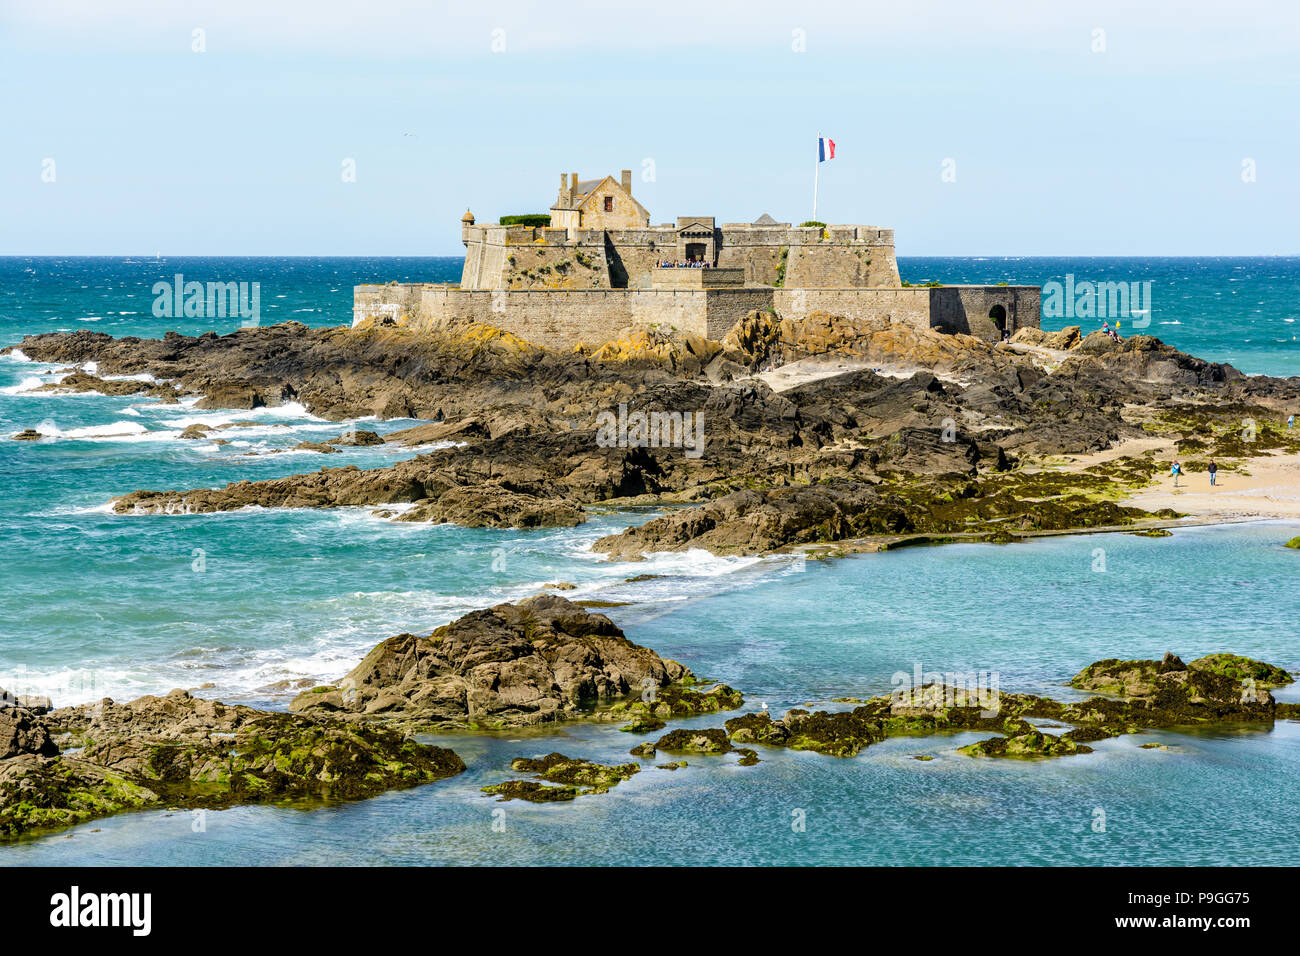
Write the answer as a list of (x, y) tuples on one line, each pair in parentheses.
[(825, 149)]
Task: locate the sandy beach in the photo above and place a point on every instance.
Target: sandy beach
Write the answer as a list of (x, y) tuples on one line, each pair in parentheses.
[(1263, 487)]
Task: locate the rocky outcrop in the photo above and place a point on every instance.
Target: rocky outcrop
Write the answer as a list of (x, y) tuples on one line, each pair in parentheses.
[(1203, 677), (23, 733), (543, 659), (994, 508), (78, 763), (356, 439), (565, 778), (835, 452), (494, 506), (1149, 695)]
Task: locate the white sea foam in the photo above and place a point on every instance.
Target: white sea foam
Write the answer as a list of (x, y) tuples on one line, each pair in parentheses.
[(291, 410), (29, 384), (90, 368), (114, 430)]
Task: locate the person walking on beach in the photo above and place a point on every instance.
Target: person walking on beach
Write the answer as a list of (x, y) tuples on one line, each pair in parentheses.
[(1290, 422), (1213, 469), (1176, 469)]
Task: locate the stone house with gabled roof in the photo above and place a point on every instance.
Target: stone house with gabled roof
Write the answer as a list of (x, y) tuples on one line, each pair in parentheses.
[(604, 203)]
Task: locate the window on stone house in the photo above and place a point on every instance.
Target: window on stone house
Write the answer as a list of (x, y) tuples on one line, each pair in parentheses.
[(609, 204)]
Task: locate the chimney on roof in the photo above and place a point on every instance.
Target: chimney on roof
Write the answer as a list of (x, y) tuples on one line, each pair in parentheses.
[(573, 187), (627, 181)]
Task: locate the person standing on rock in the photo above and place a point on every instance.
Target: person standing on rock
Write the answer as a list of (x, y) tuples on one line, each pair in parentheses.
[(1213, 469)]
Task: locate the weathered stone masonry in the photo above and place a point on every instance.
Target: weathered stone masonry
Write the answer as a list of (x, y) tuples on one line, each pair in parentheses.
[(592, 274)]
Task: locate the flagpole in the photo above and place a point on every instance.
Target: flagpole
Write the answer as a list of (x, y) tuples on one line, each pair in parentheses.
[(817, 168)]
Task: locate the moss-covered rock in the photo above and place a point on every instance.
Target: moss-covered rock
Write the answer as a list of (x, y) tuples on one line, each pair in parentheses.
[(644, 725), (181, 751), (676, 702), (532, 791), (557, 768), (710, 740), (1027, 745), (1241, 668)]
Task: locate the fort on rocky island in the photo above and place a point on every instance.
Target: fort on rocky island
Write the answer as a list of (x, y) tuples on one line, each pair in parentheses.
[(600, 268)]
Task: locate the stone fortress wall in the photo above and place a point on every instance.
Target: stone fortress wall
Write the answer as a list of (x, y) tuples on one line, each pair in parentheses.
[(565, 318), (596, 276), (544, 257)]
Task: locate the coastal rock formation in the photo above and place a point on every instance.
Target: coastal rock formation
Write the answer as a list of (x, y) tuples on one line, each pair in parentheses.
[(944, 435), (78, 763), (1148, 695), (1203, 677), (21, 732), (543, 659), (565, 778), (754, 522)]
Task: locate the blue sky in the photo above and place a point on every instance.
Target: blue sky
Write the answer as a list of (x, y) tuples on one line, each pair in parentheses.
[(1136, 148)]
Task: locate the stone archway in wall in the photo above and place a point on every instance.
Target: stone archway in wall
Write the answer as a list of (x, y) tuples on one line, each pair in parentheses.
[(998, 316)]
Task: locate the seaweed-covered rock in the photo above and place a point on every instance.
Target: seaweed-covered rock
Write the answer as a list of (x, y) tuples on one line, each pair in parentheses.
[(1031, 744), (644, 725), (1124, 678), (560, 778), (677, 701), (840, 734), (540, 660), (758, 729), (557, 768), (711, 740), (532, 791), (1241, 668), (180, 751)]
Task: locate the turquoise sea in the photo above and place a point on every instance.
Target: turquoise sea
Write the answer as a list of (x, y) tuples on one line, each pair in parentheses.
[(232, 605)]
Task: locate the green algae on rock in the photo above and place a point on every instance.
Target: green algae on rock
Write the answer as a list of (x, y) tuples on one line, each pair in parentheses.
[(557, 768), (531, 791), (676, 701), (643, 725), (181, 751), (1243, 668), (1147, 694), (560, 778), (1032, 744), (694, 741), (1141, 678)]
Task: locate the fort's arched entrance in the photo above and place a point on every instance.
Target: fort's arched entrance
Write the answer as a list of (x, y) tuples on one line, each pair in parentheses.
[(998, 316)]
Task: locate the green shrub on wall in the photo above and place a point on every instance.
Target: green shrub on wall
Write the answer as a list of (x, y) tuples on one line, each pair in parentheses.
[(528, 219), (813, 222)]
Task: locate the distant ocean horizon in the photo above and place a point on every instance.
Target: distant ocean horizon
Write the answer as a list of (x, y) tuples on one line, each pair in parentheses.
[(1243, 310)]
